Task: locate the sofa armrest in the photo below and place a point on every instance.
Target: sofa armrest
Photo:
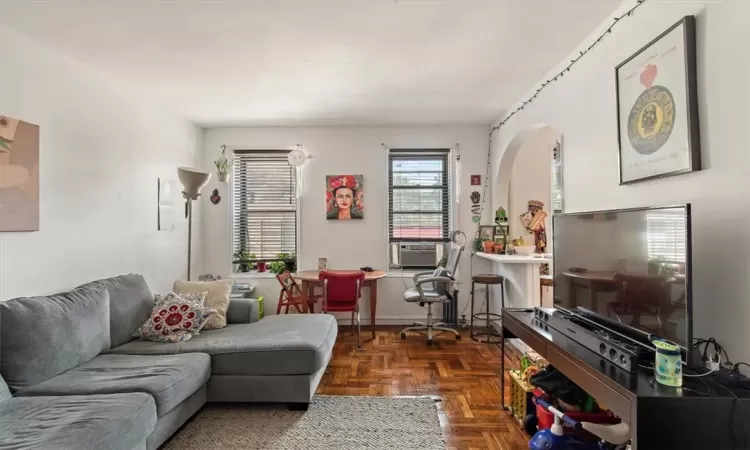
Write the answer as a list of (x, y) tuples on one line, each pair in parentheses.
[(243, 310)]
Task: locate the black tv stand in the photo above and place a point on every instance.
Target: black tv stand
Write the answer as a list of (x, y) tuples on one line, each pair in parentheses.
[(700, 416)]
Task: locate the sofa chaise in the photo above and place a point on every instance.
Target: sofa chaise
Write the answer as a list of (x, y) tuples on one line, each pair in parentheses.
[(73, 375)]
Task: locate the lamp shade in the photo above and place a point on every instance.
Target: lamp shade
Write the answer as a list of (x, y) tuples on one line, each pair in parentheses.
[(192, 181)]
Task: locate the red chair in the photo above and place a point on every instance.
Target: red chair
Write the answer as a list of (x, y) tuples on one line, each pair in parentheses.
[(341, 292), (291, 294)]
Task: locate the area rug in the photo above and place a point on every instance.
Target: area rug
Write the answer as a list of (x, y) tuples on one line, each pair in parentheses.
[(332, 422)]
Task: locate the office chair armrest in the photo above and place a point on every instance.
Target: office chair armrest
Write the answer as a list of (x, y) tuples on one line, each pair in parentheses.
[(419, 275), (422, 281)]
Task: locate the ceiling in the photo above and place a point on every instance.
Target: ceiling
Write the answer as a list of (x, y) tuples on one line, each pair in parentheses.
[(318, 62)]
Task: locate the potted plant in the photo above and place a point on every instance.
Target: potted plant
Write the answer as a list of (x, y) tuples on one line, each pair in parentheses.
[(288, 261), (243, 264), (276, 267), (476, 245), (223, 165)]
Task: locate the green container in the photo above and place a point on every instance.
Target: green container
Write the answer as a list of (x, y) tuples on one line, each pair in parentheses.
[(260, 307), (668, 363)]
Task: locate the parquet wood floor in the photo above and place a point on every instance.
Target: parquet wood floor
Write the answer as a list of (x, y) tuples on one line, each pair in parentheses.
[(464, 374)]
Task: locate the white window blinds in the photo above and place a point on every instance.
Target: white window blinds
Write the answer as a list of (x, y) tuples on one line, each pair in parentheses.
[(419, 195), (666, 235), (264, 204)]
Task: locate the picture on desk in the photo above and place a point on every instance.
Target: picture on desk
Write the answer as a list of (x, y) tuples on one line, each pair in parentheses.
[(344, 197), (487, 232)]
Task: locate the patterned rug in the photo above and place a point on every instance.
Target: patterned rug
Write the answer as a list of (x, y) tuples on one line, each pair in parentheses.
[(332, 422)]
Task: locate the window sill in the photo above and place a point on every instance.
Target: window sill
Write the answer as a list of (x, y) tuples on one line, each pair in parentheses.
[(252, 275), (395, 273)]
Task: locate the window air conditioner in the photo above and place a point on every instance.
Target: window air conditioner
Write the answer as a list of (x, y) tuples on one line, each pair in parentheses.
[(417, 255)]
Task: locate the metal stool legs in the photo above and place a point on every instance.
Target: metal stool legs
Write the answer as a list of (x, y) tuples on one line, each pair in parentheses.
[(486, 334)]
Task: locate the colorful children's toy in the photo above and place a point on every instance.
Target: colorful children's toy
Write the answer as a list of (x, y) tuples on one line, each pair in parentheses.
[(613, 436)]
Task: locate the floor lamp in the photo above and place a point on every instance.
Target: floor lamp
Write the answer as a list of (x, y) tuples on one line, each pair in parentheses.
[(192, 182)]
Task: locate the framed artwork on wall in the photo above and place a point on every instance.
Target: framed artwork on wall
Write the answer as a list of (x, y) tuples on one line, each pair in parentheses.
[(166, 205), (657, 107), (345, 197), (19, 175)]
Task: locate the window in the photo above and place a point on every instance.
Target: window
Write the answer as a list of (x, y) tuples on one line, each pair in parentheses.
[(264, 204), (418, 195), (666, 235)]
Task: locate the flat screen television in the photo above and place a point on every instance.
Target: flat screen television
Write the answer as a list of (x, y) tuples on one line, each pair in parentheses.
[(630, 266)]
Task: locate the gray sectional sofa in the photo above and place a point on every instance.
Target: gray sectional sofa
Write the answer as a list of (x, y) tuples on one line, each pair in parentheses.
[(73, 375)]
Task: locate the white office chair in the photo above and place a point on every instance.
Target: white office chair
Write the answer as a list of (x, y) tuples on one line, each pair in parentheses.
[(435, 287)]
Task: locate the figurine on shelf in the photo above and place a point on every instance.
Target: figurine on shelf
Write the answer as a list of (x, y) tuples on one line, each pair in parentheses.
[(533, 220), (500, 215)]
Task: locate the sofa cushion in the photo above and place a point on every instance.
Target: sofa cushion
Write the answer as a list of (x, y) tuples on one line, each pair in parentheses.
[(298, 344), (131, 301), (112, 422), (41, 337), (244, 310), (169, 379)]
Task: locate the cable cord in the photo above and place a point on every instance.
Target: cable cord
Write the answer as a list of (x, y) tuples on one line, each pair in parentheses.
[(707, 373)]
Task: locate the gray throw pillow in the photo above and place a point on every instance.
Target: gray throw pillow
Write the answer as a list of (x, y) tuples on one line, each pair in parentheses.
[(41, 337)]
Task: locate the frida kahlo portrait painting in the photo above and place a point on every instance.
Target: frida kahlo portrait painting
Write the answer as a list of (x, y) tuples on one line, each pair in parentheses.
[(344, 197), (19, 175)]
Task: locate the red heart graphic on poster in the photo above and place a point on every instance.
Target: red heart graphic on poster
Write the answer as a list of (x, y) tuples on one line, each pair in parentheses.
[(649, 75)]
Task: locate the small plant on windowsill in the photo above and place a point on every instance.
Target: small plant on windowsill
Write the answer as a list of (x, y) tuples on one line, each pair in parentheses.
[(288, 262), (223, 165), (245, 266)]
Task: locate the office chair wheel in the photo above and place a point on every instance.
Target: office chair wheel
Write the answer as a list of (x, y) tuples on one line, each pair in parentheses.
[(429, 342), (403, 335)]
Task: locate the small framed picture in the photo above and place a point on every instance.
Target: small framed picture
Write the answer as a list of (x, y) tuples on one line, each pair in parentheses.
[(476, 180), (487, 232)]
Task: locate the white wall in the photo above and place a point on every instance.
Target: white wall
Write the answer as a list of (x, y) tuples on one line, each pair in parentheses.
[(582, 107), (531, 179), (101, 151), (346, 244)]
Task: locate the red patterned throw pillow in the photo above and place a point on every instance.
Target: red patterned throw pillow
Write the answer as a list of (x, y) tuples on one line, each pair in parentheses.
[(175, 318)]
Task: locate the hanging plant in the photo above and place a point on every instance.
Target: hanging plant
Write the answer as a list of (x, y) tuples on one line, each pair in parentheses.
[(223, 165)]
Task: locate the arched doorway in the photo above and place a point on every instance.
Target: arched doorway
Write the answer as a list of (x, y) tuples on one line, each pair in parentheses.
[(524, 173), (525, 169)]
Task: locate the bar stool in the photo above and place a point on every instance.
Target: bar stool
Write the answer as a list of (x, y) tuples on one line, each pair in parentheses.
[(487, 334), (544, 282)]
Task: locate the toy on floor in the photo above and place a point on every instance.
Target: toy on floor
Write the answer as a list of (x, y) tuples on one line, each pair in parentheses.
[(613, 436)]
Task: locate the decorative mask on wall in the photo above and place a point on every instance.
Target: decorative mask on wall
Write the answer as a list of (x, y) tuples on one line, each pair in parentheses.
[(215, 197)]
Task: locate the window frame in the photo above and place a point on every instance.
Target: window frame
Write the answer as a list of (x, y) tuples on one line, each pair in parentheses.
[(236, 152), (448, 201)]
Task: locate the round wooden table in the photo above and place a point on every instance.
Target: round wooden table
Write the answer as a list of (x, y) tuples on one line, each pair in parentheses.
[(309, 279)]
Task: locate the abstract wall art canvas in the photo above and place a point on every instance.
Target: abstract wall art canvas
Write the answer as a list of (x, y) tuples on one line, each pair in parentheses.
[(166, 205), (657, 107), (19, 175), (344, 197)]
